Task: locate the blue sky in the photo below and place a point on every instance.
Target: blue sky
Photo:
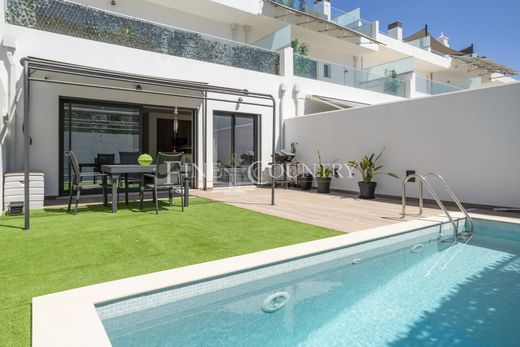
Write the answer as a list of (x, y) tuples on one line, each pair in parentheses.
[(493, 26)]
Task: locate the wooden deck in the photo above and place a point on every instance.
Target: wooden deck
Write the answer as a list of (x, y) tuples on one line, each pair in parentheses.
[(339, 211)]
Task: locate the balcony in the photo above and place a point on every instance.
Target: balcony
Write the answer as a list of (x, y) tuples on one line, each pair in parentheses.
[(352, 20), (67, 18), (347, 76), (425, 86), (321, 17)]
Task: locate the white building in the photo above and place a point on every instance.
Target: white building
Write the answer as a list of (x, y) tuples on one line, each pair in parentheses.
[(244, 45)]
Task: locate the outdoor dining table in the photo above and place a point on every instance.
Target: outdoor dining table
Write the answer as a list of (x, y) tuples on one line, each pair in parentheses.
[(116, 171)]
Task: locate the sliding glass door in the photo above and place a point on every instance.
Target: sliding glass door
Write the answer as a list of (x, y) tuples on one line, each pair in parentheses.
[(234, 149), (97, 133)]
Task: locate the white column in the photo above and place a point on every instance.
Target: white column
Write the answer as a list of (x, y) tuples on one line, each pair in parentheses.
[(286, 62), (281, 113), (375, 29), (9, 44), (298, 107), (411, 91)]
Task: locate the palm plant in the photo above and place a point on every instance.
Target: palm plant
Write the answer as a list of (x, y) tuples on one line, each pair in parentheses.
[(368, 167), (323, 171)]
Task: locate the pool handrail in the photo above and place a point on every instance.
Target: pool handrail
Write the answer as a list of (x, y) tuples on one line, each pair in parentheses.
[(454, 198), (424, 181)]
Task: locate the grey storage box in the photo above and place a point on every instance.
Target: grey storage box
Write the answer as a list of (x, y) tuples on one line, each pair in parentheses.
[(14, 188)]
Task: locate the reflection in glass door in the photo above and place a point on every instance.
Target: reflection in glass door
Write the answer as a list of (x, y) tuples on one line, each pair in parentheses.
[(97, 133), (234, 148)]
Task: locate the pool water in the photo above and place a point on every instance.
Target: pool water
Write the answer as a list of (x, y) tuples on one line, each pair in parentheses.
[(464, 295)]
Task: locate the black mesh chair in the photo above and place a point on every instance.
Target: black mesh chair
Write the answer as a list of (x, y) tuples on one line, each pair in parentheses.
[(103, 159), (129, 158), (166, 177), (76, 181)]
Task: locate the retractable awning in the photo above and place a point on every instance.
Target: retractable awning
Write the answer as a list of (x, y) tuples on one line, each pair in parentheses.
[(465, 56), (334, 102), (434, 44), (92, 77), (487, 65)]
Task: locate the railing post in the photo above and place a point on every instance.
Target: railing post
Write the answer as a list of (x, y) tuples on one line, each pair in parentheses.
[(27, 145), (421, 196), (403, 191)]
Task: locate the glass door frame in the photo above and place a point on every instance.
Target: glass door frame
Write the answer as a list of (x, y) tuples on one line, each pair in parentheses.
[(64, 100), (256, 136)]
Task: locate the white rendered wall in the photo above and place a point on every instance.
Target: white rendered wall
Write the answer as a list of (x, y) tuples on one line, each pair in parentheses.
[(44, 98), (471, 138)]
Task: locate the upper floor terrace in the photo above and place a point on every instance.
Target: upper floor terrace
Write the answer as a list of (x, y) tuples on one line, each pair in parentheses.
[(214, 31), (87, 22)]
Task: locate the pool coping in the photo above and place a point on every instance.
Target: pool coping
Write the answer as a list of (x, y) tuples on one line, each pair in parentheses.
[(70, 318)]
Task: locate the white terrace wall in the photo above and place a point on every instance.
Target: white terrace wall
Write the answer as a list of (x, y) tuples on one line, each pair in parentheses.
[(472, 138)]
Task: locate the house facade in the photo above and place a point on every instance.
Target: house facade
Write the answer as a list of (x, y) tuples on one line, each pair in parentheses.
[(308, 55)]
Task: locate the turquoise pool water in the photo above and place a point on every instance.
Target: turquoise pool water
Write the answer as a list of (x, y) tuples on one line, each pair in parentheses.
[(464, 295)]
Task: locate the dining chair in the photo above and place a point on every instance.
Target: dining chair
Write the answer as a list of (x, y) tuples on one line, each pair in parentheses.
[(167, 176), (129, 158), (76, 183)]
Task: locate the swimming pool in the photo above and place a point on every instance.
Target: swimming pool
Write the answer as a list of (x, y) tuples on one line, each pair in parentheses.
[(404, 290)]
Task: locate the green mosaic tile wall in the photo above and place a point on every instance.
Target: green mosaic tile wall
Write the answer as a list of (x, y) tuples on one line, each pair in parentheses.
[(67, 18)]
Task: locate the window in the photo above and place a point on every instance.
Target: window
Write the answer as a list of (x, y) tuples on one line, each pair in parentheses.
[(91, 129), (235, 149), (326, 70)]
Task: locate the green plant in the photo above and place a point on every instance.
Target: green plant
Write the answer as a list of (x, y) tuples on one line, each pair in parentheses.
[(300, 48), (323, 171), (234, 162), (392, 84), (368, 167)]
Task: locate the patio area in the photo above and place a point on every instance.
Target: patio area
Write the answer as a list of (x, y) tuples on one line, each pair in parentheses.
[(339, 211)]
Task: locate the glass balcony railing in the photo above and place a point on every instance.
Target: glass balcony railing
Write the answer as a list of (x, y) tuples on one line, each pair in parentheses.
[(425, 86), (347, 76), (68, 18), (351, 21), (307, 6), (423, 42), (401, 66), (347, 20)]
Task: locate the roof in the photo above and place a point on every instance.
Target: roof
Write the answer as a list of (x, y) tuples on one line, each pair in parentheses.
[(464, 56)]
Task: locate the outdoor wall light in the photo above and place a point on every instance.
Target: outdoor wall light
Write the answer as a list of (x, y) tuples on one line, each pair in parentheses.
[(138, 87), (239, 101), (113, 2)]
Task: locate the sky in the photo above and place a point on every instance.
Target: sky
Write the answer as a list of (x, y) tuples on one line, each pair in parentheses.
[(492, 26)]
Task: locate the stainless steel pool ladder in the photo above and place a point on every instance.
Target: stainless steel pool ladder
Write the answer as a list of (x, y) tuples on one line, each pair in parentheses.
[(424, 181)]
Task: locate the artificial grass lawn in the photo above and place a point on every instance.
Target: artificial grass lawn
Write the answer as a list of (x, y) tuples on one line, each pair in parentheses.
[(63, 251)]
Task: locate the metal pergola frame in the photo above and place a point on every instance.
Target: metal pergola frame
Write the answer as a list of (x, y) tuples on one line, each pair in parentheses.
[(33, 64)]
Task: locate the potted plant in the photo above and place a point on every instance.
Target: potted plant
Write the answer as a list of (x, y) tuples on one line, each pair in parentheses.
[(369, 169), (392, 84), (305, 181), (323, 176), (233, 168)]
